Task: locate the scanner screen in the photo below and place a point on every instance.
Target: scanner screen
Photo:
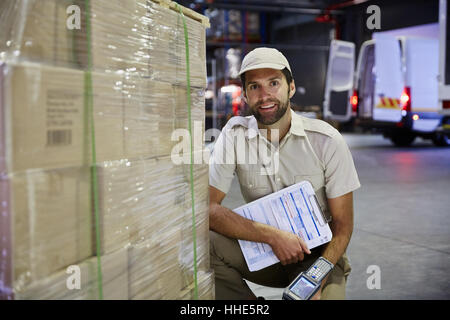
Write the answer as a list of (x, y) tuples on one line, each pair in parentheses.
[(303, 288)]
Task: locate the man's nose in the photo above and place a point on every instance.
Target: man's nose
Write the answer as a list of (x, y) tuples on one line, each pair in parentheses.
[(264, 93)]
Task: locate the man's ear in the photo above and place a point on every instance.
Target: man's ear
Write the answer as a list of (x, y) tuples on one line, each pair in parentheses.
[(292, 89), (244, 96)]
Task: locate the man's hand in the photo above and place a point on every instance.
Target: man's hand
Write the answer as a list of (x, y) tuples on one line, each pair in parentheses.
[(288, 247), (317, 295)]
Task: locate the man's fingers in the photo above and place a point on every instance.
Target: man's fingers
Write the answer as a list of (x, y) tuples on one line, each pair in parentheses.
[(291, 258), (292, 250), (304, 246), (295, 257)]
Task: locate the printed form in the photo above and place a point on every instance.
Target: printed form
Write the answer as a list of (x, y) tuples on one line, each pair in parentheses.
[(292, 209)]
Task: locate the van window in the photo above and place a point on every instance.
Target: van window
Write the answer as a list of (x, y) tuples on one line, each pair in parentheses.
[(339, 72), (401, 44), (367, 82)]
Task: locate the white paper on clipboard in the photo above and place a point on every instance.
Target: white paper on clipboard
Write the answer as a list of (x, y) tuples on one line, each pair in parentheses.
[(294, 209)]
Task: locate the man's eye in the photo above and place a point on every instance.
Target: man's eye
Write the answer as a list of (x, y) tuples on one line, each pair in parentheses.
[(274, 83), (252, 86)]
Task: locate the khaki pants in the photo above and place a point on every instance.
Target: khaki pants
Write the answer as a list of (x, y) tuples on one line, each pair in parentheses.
[(231, 269)]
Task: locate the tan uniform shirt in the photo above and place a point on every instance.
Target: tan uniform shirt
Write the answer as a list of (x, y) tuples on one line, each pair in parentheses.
[(312, 150)]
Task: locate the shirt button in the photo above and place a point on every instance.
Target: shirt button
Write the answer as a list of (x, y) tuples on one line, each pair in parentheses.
[(250, 185), (278, 179)]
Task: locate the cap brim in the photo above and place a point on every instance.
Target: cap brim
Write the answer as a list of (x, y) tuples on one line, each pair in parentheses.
[(275, 66)]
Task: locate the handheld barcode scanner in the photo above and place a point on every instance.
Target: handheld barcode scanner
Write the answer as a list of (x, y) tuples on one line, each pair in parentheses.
[(307, 283)]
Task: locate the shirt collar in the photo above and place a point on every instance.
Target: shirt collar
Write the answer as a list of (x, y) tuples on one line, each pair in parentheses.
[(296, 125), (253, 127)]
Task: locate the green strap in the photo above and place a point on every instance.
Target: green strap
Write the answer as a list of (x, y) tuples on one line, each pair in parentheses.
[(88, 106), (188, 95)]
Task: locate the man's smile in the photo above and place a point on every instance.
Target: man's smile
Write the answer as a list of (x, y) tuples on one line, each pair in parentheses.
[(268, 107)]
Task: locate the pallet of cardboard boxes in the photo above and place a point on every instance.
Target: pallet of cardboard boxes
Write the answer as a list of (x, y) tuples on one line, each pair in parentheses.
[(139, 92)]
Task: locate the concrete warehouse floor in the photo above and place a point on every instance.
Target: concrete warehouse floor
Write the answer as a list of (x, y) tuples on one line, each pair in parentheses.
[(401, 221)]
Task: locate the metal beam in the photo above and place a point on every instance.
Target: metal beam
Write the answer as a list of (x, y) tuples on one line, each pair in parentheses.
[(273, 9), (292, 21)]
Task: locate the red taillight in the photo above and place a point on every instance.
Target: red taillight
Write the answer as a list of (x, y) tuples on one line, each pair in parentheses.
[(354, 101), (446, 104), (405, 99)]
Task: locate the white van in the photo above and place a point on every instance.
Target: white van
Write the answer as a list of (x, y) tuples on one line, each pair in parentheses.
[(395, 89), (444, 64)]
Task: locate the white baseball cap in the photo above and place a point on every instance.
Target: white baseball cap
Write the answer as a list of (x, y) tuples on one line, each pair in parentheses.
[(263, 57)]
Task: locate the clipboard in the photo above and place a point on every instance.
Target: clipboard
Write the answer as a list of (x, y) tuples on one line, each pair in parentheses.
[(318, 208), (294, 209)]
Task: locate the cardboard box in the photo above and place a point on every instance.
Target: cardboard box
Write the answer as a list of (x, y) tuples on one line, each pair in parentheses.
[(117, 187), (153, 269), (176, 67), (205, 287), (187, 244), (46, 125), (139, 199), (114, 268), (197, 107), (46, 223), (45, 121), (148, 39), (149, 118), (38, 31), (183, 142)]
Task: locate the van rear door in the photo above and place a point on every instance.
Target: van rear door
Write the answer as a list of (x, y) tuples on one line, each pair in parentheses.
[(339, 81), (365, 79), (422, 77), (389, 82)]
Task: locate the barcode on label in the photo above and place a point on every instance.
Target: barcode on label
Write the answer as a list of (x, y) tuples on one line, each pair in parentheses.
[(59, 137)]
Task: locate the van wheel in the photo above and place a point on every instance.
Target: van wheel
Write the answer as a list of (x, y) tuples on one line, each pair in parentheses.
[(402, 139), (441, 140)]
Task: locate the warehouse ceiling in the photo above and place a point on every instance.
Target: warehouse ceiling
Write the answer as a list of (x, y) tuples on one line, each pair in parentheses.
[(299, 6), (305, 6), (394, 14)]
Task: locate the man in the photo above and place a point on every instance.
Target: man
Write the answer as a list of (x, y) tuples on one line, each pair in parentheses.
[(306, 149)]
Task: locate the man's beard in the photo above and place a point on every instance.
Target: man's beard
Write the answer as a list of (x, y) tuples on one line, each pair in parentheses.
[(270, 119)]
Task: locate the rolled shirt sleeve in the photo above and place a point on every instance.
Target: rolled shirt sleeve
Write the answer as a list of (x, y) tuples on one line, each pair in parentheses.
[(340, 172), (222, 163)]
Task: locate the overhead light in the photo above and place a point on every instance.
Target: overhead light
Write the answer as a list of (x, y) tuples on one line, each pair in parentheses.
[(209, 94), (229, 89)]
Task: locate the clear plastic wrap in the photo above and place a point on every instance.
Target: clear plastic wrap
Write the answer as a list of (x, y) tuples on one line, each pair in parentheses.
[(154, 197), (138, 86), (136, 36)]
